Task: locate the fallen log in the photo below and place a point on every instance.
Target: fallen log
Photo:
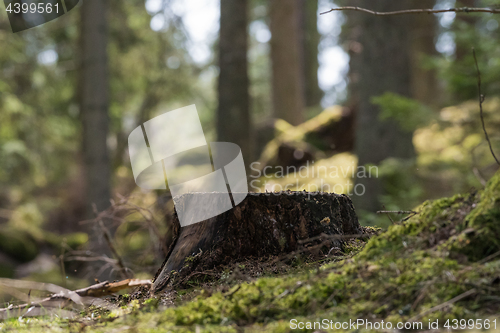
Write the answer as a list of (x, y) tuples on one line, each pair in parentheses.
[(263, 224)]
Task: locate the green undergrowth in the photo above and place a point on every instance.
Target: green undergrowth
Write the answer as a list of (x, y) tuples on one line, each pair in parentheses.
[(440, 264)]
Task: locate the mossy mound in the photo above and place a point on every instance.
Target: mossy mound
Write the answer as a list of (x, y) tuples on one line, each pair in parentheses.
[(440, 264)]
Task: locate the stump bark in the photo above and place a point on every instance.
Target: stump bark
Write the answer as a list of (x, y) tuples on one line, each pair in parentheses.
[(264, 224)]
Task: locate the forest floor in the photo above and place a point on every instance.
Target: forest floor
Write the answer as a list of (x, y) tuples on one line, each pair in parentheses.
[(438, 269)]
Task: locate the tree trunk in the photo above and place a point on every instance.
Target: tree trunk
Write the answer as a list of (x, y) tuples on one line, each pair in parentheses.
[(94, 103), (424, 82), (381, 62), (94, 115), (287, 74), (233, 114), (263, 225), (310, 42)]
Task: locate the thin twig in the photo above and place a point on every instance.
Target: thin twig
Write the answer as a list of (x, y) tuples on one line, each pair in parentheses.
[(107, 237), (329, 299), (409, 217), (396, 211), (89, 259), (481, 100), (388, 214), (443, 305), (488, 258), (335, 236), (410, 212), (231, 293), (416, 11)]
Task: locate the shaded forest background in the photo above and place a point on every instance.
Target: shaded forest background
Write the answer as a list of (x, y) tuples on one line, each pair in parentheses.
[(73, 89)]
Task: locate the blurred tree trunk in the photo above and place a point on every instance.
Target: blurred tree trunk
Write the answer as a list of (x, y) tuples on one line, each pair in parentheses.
[(233, 114), (94, 116), (94, 103), (287, 74), (461, 52), (310, 41), (424, 83), (380, 63)]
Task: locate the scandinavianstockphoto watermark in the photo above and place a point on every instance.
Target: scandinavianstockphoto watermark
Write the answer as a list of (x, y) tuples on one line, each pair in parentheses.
[(170, 152), (310, 178), (206, 179)]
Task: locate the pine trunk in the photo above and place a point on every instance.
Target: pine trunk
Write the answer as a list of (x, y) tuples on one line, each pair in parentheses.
[(380, 62), (287, 73), (310, 43), (233, 113), (94, 103), (94, 115), (425, 86)]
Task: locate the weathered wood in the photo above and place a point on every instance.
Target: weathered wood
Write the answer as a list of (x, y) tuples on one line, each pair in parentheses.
[(263, 224)]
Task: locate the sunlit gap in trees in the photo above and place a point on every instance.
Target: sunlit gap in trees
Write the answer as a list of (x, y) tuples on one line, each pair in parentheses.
[(445, 43)]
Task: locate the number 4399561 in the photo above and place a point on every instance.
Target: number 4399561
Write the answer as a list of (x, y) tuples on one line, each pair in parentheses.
[(471, 324), (39, 8)]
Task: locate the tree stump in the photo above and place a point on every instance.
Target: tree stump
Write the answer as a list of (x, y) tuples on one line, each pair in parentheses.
[(263, 224)]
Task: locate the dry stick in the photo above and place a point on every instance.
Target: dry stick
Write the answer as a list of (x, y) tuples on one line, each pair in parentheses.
[(481, 100), (107, 288), (55, 289), (86, 296), (417, 11)]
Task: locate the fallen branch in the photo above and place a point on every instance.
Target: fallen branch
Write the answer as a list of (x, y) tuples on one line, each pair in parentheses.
[(63, 297), (56, 290), (107, 288), (481, 100), (416, 11)]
